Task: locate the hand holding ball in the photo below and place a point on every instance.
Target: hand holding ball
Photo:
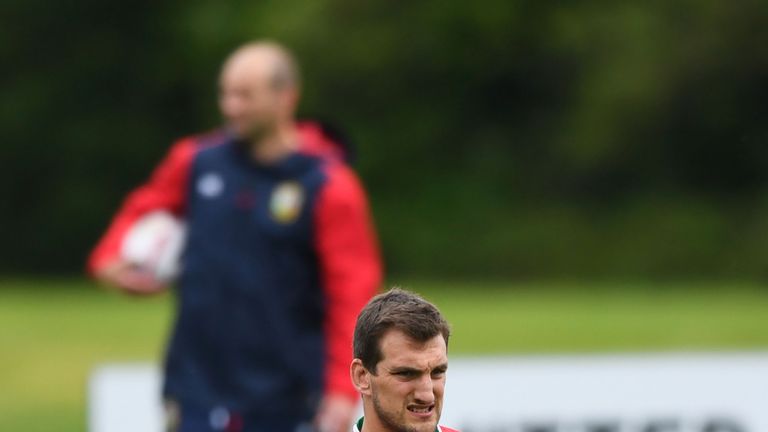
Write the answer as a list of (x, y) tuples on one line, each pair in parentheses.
[(153, 246)]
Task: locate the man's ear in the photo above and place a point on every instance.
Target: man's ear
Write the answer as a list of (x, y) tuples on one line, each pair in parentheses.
[(361, 377)]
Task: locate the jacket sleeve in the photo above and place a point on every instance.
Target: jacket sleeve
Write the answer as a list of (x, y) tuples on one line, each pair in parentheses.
[(350, 267), (165, 189)]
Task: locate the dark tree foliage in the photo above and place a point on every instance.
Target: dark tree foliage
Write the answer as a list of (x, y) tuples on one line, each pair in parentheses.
[(496, 138)]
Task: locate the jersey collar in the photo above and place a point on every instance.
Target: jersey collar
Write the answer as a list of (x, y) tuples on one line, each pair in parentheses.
[(359, 426)]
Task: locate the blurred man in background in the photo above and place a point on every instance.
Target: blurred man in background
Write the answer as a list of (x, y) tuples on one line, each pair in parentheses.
[(401, 358), (279, 258)]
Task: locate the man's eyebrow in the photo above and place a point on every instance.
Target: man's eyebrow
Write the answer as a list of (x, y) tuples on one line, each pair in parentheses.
[(398, 369)]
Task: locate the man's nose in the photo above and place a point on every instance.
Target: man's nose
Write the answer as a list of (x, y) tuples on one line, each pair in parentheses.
[(425, 393)]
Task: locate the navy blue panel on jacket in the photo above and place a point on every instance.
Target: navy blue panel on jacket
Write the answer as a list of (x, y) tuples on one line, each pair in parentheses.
[(248, 335)]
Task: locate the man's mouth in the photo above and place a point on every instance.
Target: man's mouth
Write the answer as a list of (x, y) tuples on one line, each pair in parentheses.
[(421, 410)]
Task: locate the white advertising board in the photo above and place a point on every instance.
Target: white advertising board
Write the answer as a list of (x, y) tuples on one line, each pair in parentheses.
[(626, 393), (695, 392), (125, 398)]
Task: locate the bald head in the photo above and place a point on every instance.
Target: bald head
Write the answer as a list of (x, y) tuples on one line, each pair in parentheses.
[(259, 89), (264, 60)]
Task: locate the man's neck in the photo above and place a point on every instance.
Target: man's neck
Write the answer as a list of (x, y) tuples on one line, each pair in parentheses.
[(275, 145)]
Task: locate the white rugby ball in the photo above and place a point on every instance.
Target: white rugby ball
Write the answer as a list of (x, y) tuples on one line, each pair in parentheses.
[(154, 245)]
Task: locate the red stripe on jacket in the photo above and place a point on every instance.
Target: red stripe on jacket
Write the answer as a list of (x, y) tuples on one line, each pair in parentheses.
[(350, 268), (165, 189)]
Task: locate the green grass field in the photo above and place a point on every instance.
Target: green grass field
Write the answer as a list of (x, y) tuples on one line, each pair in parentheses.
[(53, 332)]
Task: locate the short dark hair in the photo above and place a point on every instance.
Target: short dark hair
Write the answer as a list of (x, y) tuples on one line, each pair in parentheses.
[(395, 309)]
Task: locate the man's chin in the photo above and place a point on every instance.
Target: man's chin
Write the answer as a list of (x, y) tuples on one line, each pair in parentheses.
[(247, 133), (422, 424), (242, 135)]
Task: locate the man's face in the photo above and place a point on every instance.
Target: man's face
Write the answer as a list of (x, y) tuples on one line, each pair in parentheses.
[(248, 101), (407, 390)]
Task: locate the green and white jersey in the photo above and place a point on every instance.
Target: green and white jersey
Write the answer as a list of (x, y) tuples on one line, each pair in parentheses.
[(359, 427)]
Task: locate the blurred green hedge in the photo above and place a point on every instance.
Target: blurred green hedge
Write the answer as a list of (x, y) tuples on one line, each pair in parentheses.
[(496, 138)]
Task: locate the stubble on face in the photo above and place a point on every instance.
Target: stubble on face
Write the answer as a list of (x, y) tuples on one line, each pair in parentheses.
[(390, 419)]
